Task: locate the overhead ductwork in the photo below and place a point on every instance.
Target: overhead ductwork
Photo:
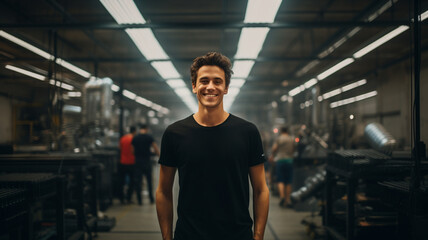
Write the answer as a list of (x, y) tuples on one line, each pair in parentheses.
[(312, 186), (379, 138)]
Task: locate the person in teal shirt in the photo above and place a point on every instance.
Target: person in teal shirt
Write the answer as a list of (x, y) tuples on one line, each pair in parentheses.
[(282, 156)]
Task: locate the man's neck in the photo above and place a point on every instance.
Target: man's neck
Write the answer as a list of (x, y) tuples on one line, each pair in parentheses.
[(210, 117)]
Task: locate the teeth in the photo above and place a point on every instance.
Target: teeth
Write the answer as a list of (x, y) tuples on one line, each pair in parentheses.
[(210, 95)]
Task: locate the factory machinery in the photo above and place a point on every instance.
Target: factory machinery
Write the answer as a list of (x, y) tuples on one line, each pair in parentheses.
[(61, 191), (369, 193)]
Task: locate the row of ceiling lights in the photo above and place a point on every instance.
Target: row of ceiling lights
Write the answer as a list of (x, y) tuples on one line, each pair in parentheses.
[(70, 67), (125, 12), (249, 46), (360, 53)]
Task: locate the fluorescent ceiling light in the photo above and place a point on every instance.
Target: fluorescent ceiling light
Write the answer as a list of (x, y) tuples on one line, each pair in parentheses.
[(261, 11), (44, 54), (380, 41), (249, 46), (25, 72), (74, 94), (333, 47), (353, 85), (232, 92), (176, 83), (353, 99), (424, 15), (161, 109), (372, 17), (310, 83), (129, 94), (344, 89), (26, 45), (66, 86), (294, 91), (350, 34), (187, 97), (230, 97), (156, 107), (251, 42), (237, 82), (147, 43), (61, 84), (333, 93), (242, 68), (165, 110), (123, 11), (308, 67), (115, 88), (381, 10), (183, 92), (366, 95), (73, 68), (335, 68), (143, 101), (165, 69)]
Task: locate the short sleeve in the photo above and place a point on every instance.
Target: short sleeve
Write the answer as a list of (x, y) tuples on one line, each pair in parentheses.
[(167, 153), (257, 154)]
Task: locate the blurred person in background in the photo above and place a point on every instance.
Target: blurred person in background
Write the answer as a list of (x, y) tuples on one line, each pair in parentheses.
[(126, 165), (143, 142), (282, 157)]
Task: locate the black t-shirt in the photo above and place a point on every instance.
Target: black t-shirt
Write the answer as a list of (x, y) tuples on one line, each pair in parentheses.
[(213, 166), (142, 144)]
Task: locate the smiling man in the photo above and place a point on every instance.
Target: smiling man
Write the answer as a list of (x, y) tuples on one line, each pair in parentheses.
[(215, 152)]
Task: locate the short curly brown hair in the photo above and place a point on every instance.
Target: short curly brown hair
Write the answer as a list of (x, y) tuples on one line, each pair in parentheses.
[(211, 59)]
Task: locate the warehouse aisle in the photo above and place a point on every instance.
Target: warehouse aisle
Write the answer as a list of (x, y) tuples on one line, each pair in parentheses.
[(140, 222)]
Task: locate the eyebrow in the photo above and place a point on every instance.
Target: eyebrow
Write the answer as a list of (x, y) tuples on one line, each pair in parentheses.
[(216, 78)]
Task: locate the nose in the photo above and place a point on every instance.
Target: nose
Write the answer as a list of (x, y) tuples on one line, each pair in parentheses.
[(210, 85)]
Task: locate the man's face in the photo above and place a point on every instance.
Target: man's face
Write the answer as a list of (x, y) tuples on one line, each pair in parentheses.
[(210, 86)]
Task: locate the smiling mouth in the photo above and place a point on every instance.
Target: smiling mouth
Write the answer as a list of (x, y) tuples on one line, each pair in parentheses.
[(210, 95)]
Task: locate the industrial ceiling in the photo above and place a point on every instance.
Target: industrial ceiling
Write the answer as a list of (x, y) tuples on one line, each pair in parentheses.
[(306, 39)]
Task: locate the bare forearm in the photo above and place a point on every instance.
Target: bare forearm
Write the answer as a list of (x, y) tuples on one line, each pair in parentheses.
[(261, 209), (164, 209)]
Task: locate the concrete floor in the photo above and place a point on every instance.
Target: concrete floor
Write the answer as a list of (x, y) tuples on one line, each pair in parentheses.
[(140, 222)]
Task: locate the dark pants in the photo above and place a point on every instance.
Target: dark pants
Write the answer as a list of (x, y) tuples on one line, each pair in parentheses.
[(139, 173), (126, 170)]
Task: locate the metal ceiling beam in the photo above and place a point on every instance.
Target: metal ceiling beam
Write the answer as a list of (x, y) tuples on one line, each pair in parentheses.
[(187, 25), (143, 60), (67, 16), (361, 17)]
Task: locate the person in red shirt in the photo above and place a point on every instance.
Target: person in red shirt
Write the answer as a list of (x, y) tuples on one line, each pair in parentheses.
[(127, 164)]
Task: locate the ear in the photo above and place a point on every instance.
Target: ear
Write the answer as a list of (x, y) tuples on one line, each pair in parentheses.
[(194, 88), (226, 90)]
